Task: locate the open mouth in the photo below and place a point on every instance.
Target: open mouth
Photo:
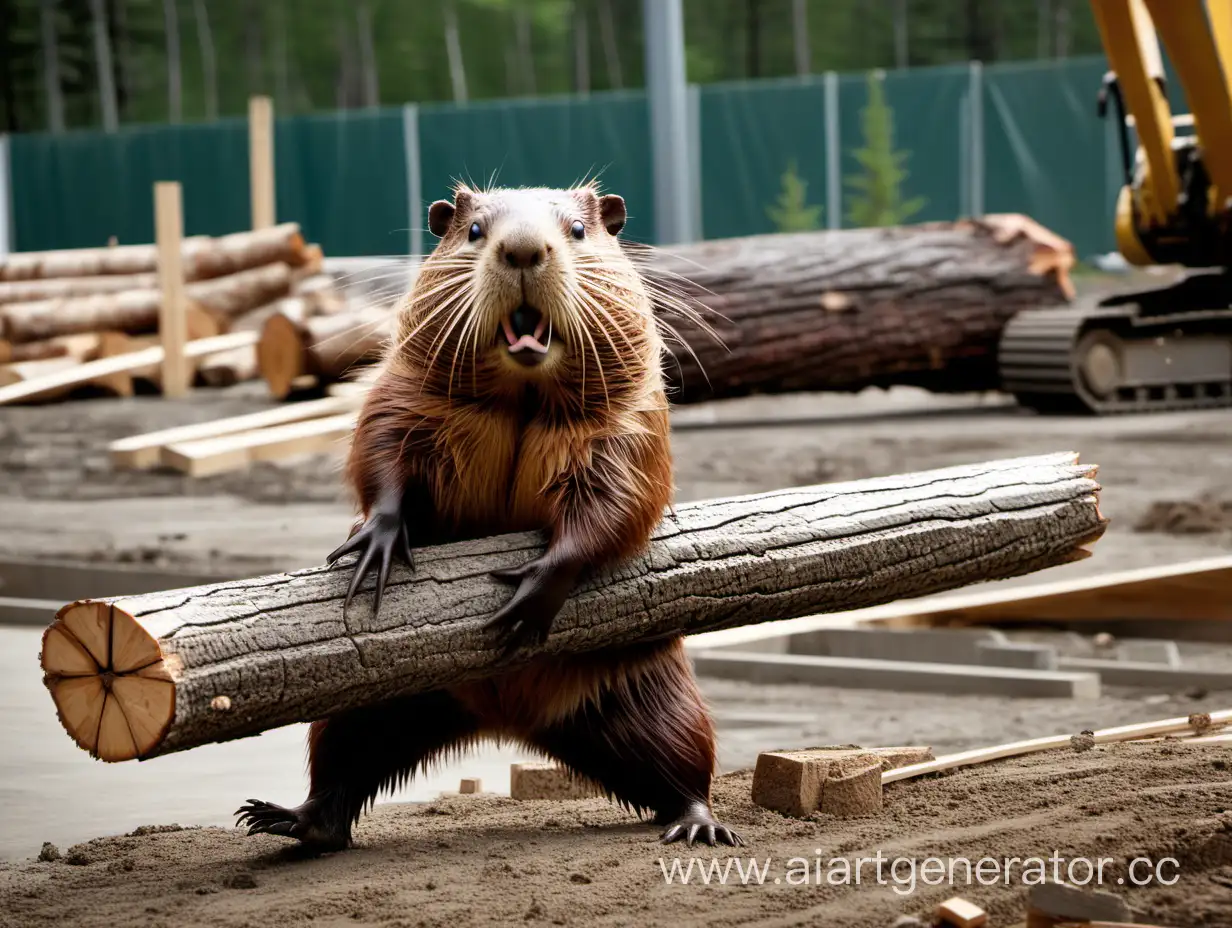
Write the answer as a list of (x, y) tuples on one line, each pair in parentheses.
[(524, 330)]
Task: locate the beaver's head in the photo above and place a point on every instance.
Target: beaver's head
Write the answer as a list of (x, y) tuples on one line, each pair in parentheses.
[(530, 286)]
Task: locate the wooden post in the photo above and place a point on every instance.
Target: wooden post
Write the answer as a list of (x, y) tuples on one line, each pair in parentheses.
[(173, 309), (261, 160)]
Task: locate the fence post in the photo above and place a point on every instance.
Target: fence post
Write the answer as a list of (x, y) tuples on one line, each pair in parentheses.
[(7, 231), (173, 309), (964, 154), (977, 138), (695, 161), (669, 130), (834, 154), (414, 182), (261, 161)]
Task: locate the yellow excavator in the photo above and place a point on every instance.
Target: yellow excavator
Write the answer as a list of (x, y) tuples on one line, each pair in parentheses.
[(1168, 348)]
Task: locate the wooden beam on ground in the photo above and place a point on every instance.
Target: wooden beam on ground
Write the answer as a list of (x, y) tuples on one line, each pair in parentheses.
[(1199, 722), (141, 452), (119, 364), (173, 310), (189, 667), (231, 452), (62, 372), (1188, 591), (261, 160)]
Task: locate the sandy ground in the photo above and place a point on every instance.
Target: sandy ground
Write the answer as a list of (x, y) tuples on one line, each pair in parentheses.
[(1165, 480), (467, 860)]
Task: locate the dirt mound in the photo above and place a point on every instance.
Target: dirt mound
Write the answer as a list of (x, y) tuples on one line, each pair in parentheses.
[(480, 860)]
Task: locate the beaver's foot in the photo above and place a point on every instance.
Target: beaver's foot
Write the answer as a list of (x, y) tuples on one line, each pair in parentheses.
[(699, 824), (301, 823)]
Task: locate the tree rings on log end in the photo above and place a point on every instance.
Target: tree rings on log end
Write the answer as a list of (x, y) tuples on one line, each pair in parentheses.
[(282, 355), (113, 692)]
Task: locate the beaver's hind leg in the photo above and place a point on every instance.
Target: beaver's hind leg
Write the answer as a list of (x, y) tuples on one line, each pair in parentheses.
[(649, 742), (355, 755)]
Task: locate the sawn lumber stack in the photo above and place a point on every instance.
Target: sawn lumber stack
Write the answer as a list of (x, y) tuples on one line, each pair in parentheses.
[(134, 677)]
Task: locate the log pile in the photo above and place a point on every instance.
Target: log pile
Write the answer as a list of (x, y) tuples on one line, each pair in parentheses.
[(138, 676), (840, 310), (62, 308)]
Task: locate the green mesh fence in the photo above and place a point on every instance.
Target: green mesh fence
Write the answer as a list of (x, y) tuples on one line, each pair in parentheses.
[(750, 135), (346, 177), (544, 142)]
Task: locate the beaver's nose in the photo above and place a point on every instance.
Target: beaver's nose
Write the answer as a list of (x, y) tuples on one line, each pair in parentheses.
[(522, 252)]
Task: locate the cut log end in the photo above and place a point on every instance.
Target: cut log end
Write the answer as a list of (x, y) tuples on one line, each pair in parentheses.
[(282, 355), (113, 692)]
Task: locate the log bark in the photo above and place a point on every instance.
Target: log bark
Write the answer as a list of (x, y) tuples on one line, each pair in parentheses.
[(145, 675), (203, 257), (325, 347), (922, 305)]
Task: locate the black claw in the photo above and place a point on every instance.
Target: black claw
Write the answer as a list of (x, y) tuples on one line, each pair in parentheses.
[(345, 548), (673, 833)]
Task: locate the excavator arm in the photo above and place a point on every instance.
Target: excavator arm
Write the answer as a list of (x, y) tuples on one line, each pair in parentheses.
[(1169, 348)]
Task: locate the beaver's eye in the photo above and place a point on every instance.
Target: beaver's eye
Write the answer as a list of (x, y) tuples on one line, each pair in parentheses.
[(578, 229), (476, 232)]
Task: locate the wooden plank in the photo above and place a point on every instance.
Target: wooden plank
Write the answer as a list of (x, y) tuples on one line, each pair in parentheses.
[(119, 364), (1201, 722), (173, 309), (1187, 591), (140, 452), (261, 160), (231, 452)]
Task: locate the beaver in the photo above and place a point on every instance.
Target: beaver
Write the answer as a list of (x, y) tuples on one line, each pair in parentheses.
[(522, 390)]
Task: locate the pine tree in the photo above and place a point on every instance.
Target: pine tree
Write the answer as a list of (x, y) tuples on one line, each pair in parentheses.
[(791, 212), (878, 199)]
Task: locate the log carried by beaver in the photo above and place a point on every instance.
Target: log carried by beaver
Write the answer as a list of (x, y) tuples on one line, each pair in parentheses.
[(146, 675)]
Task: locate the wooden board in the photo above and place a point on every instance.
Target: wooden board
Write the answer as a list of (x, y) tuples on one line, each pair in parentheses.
[(119, 364), (143, 451), (232, 452)]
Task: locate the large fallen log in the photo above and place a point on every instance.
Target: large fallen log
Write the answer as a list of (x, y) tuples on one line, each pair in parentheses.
[(844, 310), (140, 676), (838, 310), (325, 347), (203, 257)]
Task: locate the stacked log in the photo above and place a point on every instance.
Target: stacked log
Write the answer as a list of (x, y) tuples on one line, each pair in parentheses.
[(321, 349), (63, 307)]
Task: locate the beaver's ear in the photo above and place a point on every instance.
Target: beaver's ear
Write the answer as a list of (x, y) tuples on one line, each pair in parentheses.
[(612, 212), (440, 214)]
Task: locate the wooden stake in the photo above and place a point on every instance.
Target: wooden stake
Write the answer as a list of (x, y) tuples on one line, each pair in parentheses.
[(173, 311), (261, 160)]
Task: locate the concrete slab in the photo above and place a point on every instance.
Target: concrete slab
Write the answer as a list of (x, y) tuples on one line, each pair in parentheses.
[(935, 646), (1131, 673), (1149, 651), (1016, 654), (901, 676)]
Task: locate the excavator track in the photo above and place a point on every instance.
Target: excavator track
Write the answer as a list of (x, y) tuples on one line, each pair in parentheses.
[(1109, 359)]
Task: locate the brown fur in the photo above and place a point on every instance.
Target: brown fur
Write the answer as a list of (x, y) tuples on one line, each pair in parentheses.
[(578, 447)]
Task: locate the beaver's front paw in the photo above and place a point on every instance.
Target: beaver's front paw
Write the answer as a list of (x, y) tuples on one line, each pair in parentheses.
[(380, 536), (543, 586)]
